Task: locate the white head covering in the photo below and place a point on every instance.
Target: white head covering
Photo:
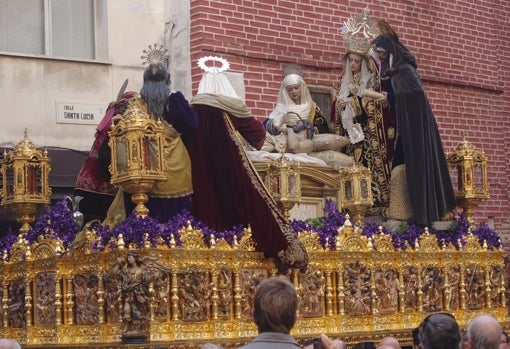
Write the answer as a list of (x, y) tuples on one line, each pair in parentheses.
[(285, 103), (214, 81)]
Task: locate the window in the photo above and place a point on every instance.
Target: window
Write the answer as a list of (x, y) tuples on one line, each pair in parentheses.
[(55, 28), (322, 95)]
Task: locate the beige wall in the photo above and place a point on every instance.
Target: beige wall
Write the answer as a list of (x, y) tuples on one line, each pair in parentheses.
[(31, 86)]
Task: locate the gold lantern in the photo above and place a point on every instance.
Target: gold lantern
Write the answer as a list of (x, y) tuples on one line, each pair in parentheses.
[(355, 190), (25, 188), (136, 143), (472, 183), (284, 183)]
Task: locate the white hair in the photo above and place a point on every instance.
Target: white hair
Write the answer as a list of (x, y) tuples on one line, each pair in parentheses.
[(9, 344)]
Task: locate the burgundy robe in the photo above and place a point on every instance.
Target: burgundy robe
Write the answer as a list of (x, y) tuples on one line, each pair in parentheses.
[(227, 189)]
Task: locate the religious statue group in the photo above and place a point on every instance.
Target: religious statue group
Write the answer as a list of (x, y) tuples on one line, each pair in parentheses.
[(380, 118)]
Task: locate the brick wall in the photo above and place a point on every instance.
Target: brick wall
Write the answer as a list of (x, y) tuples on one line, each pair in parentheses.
[(460, 46)]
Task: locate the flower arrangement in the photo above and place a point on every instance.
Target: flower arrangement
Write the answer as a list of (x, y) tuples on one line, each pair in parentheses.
[(59, 222), (403, 237)]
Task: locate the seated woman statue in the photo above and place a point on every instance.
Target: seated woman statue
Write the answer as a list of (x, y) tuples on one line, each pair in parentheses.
[(297, 124)]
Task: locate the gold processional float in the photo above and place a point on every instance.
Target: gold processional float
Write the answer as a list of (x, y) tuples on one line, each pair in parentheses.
[(186, 288)]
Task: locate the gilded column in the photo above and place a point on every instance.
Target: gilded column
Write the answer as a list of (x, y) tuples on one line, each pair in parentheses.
[(237, 295), (420, 292), (28, 302), (340, 292), (214, 297), (69, 302), (100, 297), (488, 288), (329, 293), (151, 304), (175, 297), (447, 292), (462, 289), (5, 304), (401, 291), (58, 301)]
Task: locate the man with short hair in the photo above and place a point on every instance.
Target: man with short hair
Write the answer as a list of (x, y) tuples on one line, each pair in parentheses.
[(274, 313), (484, 332), (439, 331)]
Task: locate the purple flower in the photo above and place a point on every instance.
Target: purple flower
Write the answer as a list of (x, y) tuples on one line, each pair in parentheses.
[(58, 221), (8, 239), (486, 233)]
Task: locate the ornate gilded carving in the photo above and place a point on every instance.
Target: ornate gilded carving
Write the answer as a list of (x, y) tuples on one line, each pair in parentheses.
[(356, 287)]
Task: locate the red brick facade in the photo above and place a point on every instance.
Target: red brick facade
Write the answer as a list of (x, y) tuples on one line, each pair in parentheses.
[(460, 47)]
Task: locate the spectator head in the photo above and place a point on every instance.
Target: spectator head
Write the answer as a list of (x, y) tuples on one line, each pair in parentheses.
[(9, 344), (484, 332), (389, 342), (505, 340), (439, 331), (416, 340), (275, 305)]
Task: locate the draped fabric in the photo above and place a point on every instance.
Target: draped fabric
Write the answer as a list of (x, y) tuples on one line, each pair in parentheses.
[(376, 149), (170, 197), (419, 145), (227, 189), (173, 195), (93, 181)]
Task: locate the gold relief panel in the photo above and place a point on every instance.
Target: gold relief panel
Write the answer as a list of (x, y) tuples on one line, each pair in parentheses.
[(193, 331), (249, 280), (161, 332), (16, 314), (42, 335), (384, 322), (194, 295), (86, 310), (358, 324), (311, 293), (44, 299), (387, 287), (358, 297), (474, 280), (432, 287)]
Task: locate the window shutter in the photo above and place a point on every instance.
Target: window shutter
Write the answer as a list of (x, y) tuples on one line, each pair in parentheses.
[(22, 26), (72, 28)]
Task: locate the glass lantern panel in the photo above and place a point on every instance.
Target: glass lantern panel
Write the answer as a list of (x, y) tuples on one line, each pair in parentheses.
[(33, 179), (478, 171), (364, 188), (460, 179), (348, 190), (153, 152), (9, 181), (292, 185), (121, 155), (275, 185)]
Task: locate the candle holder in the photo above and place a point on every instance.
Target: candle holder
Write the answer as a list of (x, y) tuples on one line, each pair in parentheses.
[(472, 183), (136, 143), (284, 184), (25, 188), (355, 190)]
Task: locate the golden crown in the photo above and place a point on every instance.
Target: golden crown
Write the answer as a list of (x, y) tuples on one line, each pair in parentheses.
[(358, 32)]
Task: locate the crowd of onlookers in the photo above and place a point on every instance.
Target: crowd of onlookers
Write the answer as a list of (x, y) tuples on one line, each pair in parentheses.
[(275, 313)]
